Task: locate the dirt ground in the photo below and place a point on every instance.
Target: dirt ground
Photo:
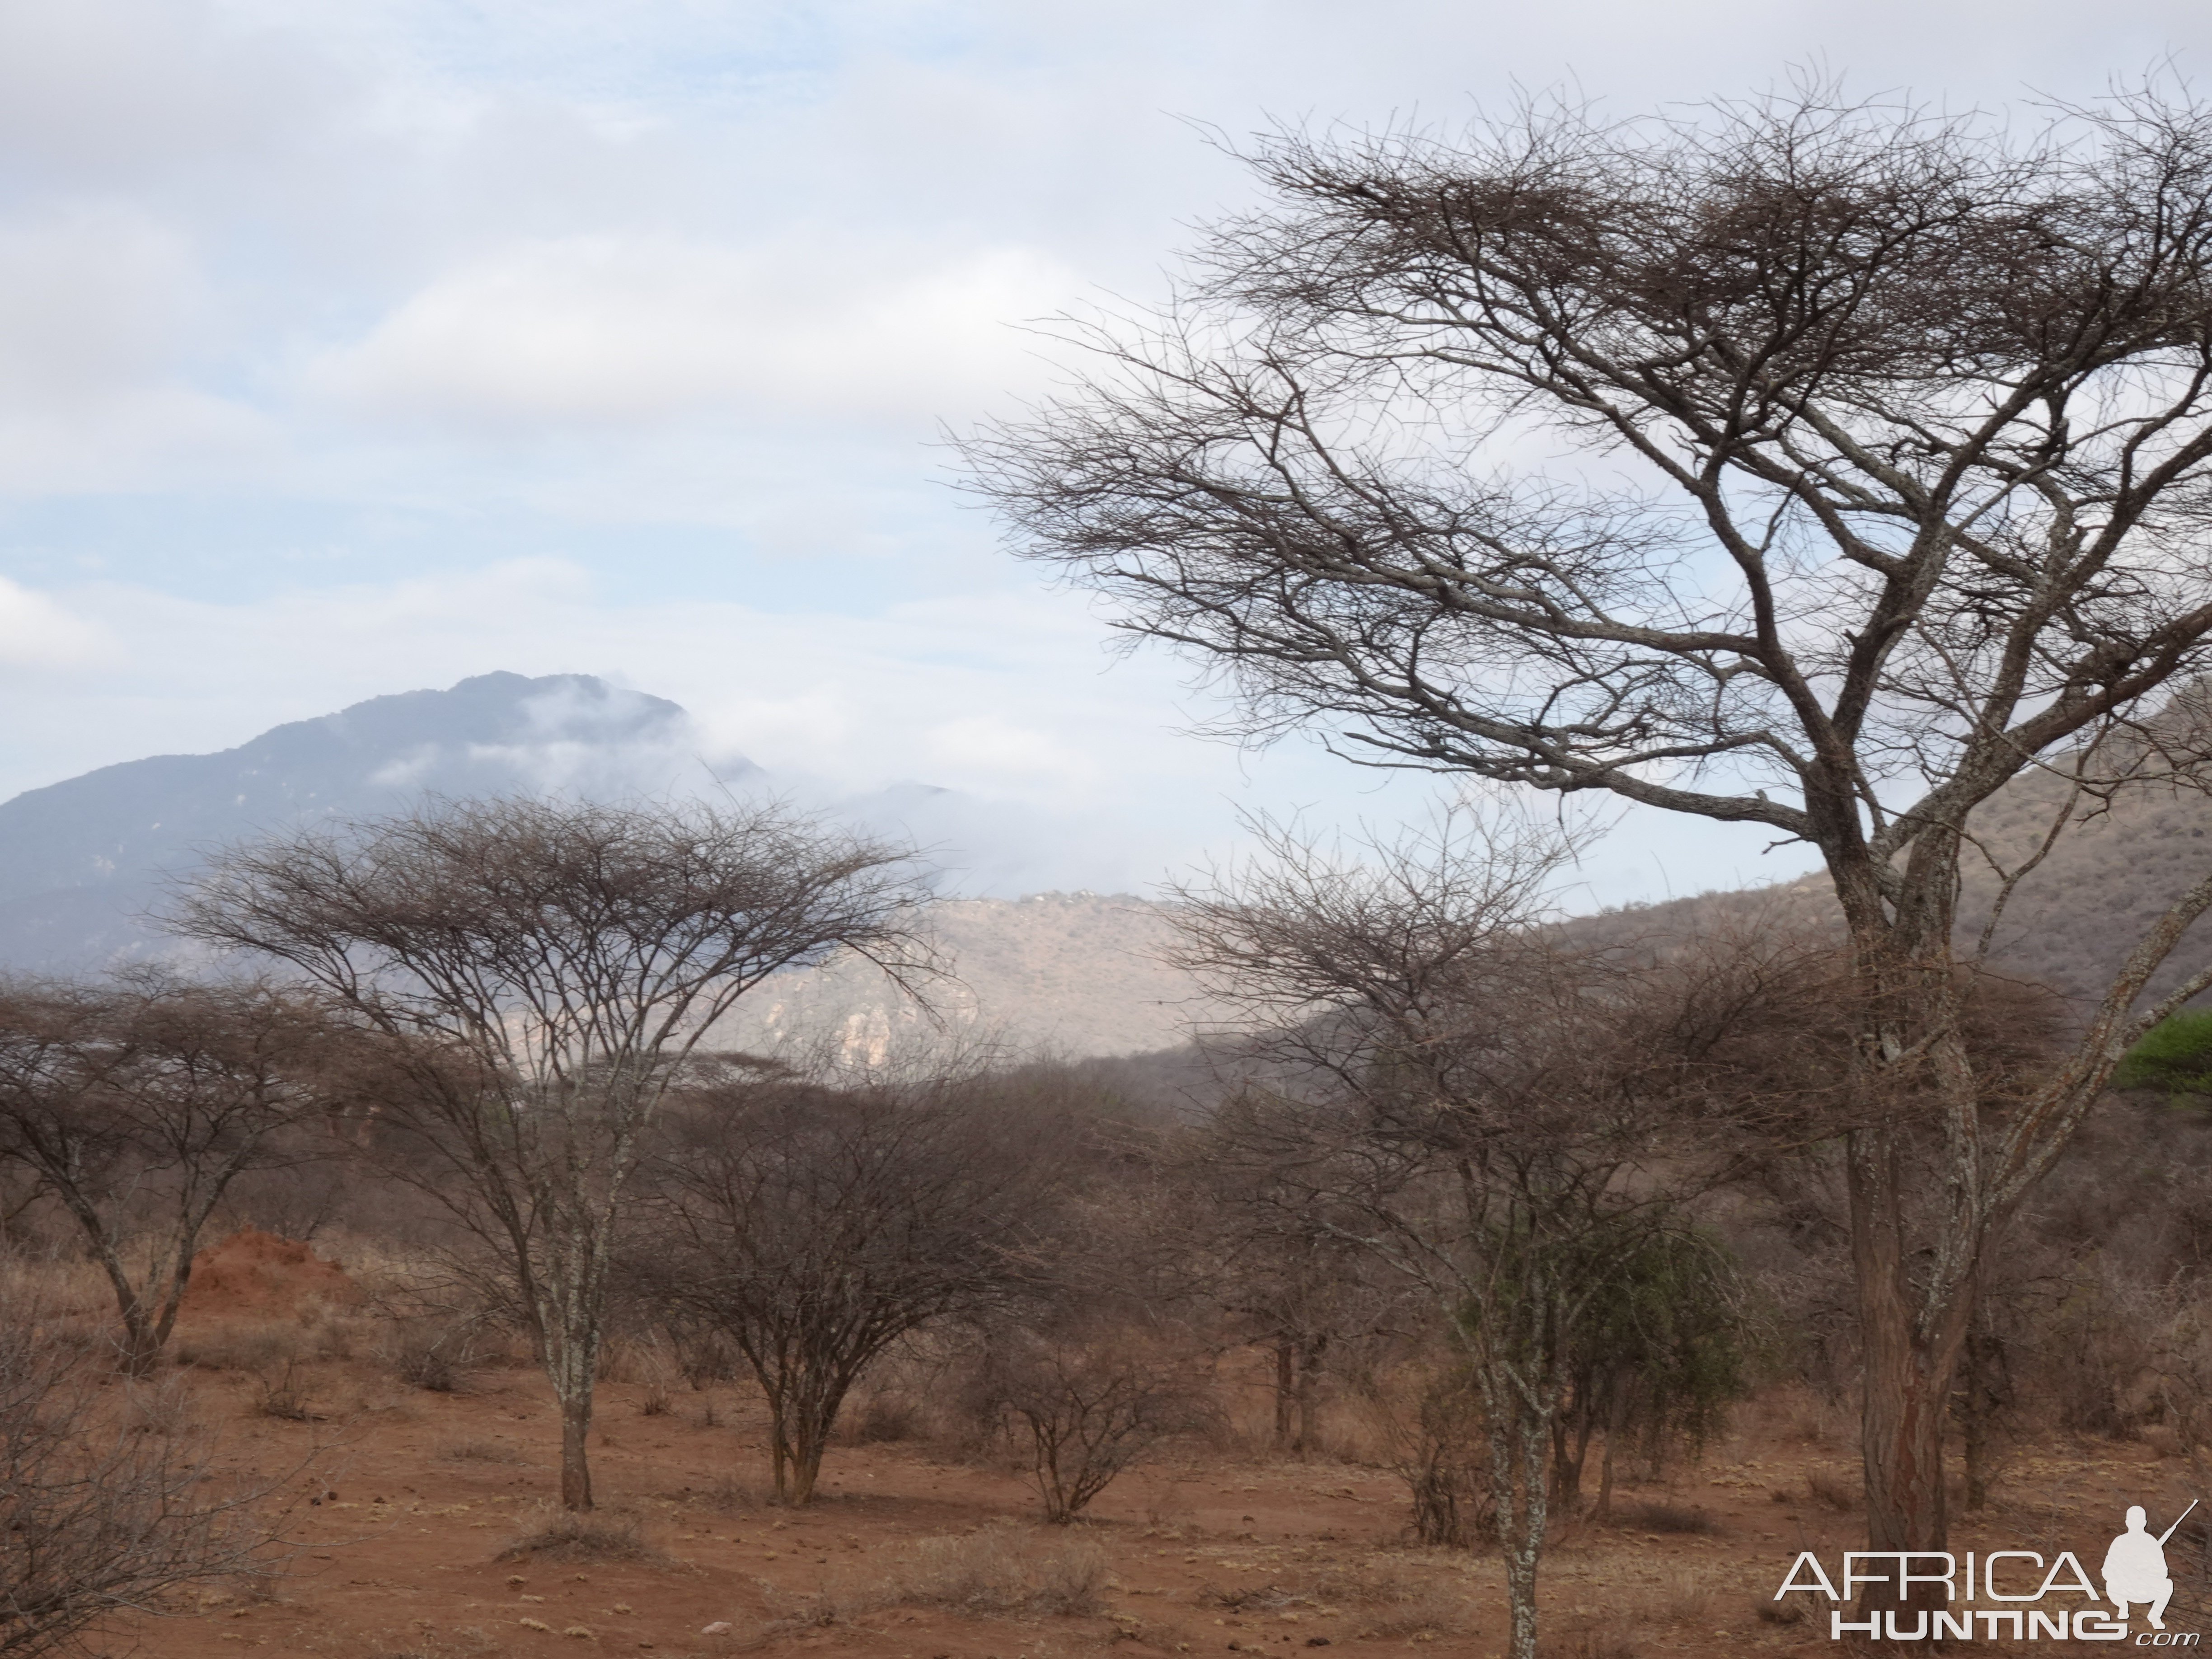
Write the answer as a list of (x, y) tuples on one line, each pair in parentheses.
[(403, 1500)]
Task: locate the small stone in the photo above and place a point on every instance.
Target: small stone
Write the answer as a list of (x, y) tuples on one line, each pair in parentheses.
[(720, 1627)]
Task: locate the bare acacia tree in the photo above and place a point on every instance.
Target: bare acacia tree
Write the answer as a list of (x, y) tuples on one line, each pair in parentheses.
[(533, 976), (816, 1227), (135, 1105), (1092, 1397), (1287, 1274), (1510, 1124), (1798, 463)]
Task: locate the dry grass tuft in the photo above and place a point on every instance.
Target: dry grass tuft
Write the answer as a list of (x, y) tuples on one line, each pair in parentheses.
[(1588, 1642), (993, 1574), (1688, 1601), (287, 1396), (1393, 1603), (562, 1535), (1667, 1517), (1833, 1490), (480, 1451)]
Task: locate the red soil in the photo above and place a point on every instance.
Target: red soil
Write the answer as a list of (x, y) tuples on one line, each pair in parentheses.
[(403, 1499)]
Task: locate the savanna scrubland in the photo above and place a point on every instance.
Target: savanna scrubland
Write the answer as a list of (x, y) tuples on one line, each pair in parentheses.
[(1522, 1286), (964, 1352)]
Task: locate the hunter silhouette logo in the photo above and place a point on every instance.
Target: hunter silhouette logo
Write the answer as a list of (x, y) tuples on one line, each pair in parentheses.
[(2135, 1575), (2135, 1567)]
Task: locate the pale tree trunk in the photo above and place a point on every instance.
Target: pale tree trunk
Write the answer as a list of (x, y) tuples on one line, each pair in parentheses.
[(572, 1365), (575, 1458), (1518, 1442)]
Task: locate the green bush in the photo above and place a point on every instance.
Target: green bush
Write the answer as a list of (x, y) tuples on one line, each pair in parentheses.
[(2175, 1055)]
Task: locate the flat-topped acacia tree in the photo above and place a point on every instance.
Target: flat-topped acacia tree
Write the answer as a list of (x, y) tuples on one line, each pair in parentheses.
[(531, 975), (1794, 462)]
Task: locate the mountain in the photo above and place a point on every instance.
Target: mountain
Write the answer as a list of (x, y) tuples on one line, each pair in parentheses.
[(81, 861)]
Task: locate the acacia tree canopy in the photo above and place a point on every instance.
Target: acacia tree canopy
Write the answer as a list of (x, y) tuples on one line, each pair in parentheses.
[(1797, 461), (533, 974)]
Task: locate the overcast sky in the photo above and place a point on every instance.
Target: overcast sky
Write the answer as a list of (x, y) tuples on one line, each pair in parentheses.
[(352, 346)]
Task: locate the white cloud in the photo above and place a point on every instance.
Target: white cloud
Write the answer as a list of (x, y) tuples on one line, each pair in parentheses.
[(602, 329), (38, 632), (670, 289)]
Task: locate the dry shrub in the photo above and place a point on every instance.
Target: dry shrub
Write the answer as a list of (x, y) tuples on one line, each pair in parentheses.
[(994, 1574), (705, 1359), (731, 1494), (1667, 1517), (1771, 1612), (1246, 1598), (1429, 1419), (106, 1504), (984, 1573), (288, 1395), (480, 1451), (564, 1535), (240, 1347), (1687, 1601), (434, 1356), (880, 1418), (1089, 1405), (1392, 1602), (1587, 1641), (1834, 1491)]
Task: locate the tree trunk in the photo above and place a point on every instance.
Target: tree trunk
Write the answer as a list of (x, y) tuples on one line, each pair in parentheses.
[(572, 1365), (1284, 1389), (575, 1464), (1978, 1403), (1308, 1389), (1912, 1339), (1517, 1452), (1616, 1421), (141, 1341)]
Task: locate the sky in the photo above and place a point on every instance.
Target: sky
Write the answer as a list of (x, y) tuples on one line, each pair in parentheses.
[(354, 346)]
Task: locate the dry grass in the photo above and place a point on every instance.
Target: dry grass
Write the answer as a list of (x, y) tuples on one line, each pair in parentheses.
[(1667, 1518), (996, 1574), (480, 1451), (1587, 1641), (731, 1494), (562, 1535), (1392, 1603), (1687, 1601), (289, 1395), (1834, 1491)]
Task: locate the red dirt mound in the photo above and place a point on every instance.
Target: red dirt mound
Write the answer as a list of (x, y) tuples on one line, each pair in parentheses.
[(256, 1273)]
